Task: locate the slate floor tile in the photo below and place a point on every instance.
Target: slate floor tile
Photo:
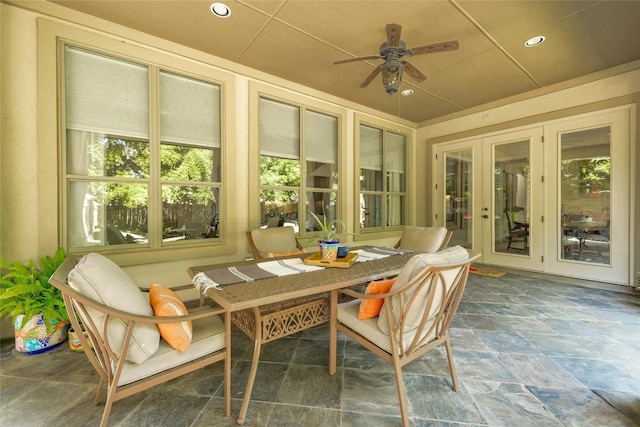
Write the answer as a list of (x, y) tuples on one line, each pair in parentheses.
[(600, 375), (581, 407), (508, 404)]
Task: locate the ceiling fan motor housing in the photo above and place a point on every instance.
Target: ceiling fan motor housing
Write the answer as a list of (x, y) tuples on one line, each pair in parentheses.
[(387, 52)]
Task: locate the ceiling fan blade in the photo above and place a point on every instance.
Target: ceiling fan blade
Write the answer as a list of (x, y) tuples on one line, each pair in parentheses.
[(393, 35), (360, 58), (416, 74), (371, 76), (434, 48)]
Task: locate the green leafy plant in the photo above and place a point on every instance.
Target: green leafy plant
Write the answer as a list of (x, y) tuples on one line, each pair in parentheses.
[(24, 289), (329, 228)]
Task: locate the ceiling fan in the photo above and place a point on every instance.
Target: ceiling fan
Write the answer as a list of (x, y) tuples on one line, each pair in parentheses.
[(392, 52)]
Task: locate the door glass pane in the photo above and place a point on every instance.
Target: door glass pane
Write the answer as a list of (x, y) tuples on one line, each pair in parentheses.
[(511, 197), (458, 193), (585, 186)]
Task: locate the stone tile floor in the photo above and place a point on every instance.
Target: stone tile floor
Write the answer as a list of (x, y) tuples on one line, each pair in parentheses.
[(530, 350)]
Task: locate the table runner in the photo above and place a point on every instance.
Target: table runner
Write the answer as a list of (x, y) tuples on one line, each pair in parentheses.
[(264, 270), (369, 254)]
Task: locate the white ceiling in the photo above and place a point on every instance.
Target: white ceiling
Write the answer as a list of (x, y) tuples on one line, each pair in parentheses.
[(299, 40)]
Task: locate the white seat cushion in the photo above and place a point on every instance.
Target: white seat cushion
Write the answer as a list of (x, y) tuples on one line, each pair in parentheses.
[(208, 337), (412, 268), (348, 316), (422, 239), (100, 279)]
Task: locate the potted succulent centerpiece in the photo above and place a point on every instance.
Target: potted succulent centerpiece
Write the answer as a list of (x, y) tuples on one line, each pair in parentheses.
[(37, 310), (329, 242)]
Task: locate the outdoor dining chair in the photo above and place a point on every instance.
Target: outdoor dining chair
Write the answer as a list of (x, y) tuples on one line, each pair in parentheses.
[(130, 348), (424, 239), (416, 311), (273, 242)]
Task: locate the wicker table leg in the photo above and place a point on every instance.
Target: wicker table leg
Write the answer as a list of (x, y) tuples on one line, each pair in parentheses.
[(278, 321)]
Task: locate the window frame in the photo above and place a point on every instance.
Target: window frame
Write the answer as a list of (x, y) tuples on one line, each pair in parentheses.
[(156, 63), (384, 231), (259, 91)]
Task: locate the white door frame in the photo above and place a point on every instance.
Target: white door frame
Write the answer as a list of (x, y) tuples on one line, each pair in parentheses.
[(545, 195), (535, 200), (621, 244)]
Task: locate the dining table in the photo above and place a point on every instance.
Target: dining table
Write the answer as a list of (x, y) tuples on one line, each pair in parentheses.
[(269, 299)]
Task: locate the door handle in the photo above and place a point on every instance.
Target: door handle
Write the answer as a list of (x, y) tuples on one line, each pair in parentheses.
[(485, 216)]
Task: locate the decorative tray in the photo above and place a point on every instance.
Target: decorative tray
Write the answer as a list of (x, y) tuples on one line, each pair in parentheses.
[(346, 262)]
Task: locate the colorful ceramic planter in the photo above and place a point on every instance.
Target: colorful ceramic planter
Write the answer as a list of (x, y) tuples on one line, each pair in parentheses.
[(33, 337), (329, 250)]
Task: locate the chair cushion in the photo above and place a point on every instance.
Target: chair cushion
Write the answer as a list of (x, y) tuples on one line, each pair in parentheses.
[(277, 239), (413, 267), (370, 308), (347, 314), (208, 337), (165, 302), (422, 239), (100, 279)]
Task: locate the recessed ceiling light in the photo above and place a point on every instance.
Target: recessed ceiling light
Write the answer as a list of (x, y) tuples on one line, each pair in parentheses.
[(534, 41), (406, 92), (221, 10)]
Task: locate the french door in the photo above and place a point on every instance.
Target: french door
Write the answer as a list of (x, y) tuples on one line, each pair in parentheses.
[(561, 206), (490, 199), (588, 217), (512, 199)]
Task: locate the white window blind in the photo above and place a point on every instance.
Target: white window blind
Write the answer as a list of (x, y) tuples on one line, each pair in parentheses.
[(370, 148), (395, 155), (106, 95), (189, 111), (321, 137), (279, 129)]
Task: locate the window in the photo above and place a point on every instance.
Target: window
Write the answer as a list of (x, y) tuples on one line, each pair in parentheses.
[(142, 154), (298, 161), (383, 187)]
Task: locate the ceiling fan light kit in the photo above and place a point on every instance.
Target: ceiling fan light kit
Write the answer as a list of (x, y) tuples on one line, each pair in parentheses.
[(392, 75), (392, 51)]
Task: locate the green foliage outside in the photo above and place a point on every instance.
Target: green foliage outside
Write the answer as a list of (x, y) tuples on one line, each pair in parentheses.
[(278, 172), (585, 176), (130, 159)]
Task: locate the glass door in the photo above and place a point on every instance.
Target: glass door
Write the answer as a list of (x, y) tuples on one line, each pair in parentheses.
[(458, 183), (511, 203), (589, 218), (458, 196), (585, 195)]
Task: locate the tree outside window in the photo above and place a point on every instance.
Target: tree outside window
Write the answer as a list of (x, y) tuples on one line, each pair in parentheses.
[(298, 165), (118, 192)]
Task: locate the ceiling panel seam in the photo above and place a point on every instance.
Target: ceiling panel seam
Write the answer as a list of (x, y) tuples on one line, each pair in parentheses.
[(494, 42), (257, 34)]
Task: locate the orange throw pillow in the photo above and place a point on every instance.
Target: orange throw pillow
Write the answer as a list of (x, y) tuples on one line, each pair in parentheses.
[(166, 302), (370, 308)]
